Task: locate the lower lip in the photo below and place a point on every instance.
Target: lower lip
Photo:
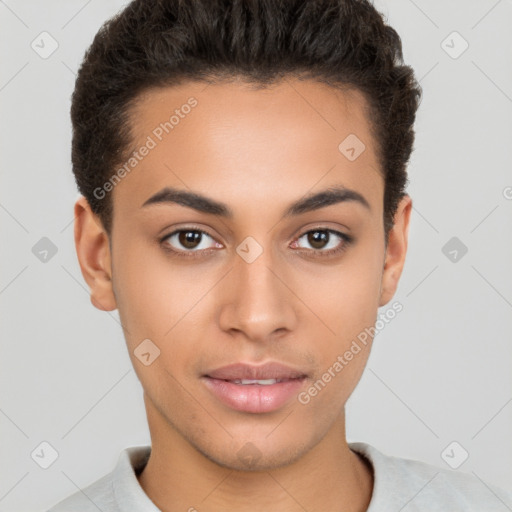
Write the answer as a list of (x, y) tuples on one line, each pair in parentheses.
[(255, 398)]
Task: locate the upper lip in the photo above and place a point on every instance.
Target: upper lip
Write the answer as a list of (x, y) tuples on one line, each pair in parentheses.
[(270, 370)]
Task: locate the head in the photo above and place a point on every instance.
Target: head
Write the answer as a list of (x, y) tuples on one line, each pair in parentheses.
[(251, 108)]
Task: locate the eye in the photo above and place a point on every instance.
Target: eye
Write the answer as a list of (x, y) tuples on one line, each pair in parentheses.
[(325, 241), (189, 240), (193, 241)]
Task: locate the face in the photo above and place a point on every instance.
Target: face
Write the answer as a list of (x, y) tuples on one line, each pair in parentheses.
[(254, 272)]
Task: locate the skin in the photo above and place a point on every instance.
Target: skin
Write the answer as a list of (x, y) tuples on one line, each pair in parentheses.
[(257, 151)]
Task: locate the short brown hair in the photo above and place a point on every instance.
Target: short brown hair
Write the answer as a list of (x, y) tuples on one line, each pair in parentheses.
[(165, 42)]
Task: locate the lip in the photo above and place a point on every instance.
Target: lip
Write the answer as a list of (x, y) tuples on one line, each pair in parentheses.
[(270, 370), (254, 398)]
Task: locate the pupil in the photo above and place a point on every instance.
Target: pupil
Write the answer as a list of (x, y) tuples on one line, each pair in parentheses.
[(188, 238), (317, 238)]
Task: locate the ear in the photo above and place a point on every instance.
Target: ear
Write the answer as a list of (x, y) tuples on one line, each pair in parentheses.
[(396, 251), (93, 251)]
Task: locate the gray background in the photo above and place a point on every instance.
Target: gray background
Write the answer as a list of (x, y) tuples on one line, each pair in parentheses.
[(439, 372)]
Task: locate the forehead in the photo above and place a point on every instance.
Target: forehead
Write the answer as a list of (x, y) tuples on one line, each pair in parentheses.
[(233, 141)]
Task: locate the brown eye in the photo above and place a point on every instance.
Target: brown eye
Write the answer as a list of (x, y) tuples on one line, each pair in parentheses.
[(321, 238), (189, 240), (318, 239), (324, 242)]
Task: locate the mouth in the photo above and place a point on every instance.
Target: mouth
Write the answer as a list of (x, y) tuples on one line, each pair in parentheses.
[(262, 382), (254, 389)]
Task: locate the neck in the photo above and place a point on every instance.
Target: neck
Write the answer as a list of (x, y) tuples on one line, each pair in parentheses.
[(178, 477)]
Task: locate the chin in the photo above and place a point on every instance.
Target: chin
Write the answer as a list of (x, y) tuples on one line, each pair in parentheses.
[(250, 458), (257, 453)]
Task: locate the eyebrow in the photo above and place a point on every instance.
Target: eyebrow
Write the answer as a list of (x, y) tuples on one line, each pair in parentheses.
[(332, 195)]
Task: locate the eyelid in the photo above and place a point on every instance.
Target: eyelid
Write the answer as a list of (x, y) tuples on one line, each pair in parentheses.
[(179, 229), (346, 240), (332, 231)]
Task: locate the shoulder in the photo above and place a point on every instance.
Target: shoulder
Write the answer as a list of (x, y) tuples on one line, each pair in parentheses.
[(415, 485), (115, 491), (98, 494)]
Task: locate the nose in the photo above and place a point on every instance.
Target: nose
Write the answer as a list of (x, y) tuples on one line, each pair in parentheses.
[(258, 299)]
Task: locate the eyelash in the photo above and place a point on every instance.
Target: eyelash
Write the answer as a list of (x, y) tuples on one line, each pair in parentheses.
[(347, 241)]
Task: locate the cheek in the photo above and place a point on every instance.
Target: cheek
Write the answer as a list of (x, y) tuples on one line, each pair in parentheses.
[(148, 284), (349, 311), (165, 303), (347, 296), (154, 304), (144, 292), (347, 303)]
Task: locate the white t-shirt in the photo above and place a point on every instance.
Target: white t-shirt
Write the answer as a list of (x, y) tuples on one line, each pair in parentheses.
[(399, 485)]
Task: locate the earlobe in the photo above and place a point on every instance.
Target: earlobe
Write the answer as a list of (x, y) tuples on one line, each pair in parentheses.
[(93, 252), (396, 251)]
